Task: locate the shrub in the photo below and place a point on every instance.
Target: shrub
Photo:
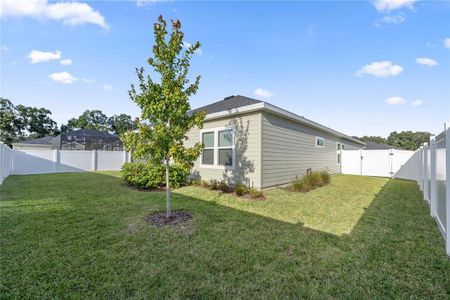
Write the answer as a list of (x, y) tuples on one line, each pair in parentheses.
[(241, 189), (326, 178), (254, 193), (214, 184), (151, 176), (223, 186), (311, 181)]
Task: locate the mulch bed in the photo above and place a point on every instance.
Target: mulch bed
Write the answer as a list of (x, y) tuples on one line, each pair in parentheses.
[(176, 218)]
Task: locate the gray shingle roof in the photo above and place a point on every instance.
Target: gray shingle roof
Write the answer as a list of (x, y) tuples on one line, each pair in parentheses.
[(46, 140), (227, 103), (376, 146)]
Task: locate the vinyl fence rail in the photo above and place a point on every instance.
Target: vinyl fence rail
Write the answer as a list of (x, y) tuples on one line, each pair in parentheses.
[(24, 162)]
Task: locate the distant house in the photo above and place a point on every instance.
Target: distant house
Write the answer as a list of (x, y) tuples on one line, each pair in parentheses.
[(250, 141), (82, 139), (378, 146)]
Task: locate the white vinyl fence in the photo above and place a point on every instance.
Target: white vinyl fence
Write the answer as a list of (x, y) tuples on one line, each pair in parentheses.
[(428, 166), (383, 163), (23, 162)]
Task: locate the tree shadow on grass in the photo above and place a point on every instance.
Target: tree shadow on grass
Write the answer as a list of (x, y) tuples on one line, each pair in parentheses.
[(394, 250)]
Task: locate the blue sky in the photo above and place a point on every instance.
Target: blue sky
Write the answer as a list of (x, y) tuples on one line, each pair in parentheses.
[(363, 68)]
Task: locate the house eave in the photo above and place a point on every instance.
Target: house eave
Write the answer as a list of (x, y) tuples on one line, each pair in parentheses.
[(263, 106)]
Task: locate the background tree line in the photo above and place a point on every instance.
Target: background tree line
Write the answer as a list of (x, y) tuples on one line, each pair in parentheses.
[(19, 122), (407, 140)]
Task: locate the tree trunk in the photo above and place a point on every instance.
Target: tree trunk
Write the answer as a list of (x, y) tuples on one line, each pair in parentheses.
[(168, 212)]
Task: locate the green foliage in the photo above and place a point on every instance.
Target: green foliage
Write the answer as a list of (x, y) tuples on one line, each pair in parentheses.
[(223, 186), (151, 176), (375, 139), (254, 193), (326, 177), (408, 140), (90, 119), (120, 123), (241, 189), (165, 110), (19, 122), (311, 181), (213, 184)]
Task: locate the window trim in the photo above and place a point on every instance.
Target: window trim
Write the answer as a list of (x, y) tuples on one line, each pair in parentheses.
[(339, 153), (216, 148), (318, 146)]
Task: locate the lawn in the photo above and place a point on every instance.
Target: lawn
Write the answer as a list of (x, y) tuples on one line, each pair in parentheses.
[(84, 236)]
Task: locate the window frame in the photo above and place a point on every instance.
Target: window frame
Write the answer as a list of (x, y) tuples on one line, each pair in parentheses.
[(208, 148), (320, 138), (339, 153), (216, 148)]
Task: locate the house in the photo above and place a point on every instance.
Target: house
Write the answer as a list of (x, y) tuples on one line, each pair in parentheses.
[(81, 139), (378, 146), (259, 144)]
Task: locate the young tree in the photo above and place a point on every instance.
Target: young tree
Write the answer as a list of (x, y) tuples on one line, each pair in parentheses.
[(11, 125), (165, 118)]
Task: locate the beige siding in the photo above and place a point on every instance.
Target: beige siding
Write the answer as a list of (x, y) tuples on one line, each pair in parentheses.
[(248, 150), (289, 149)]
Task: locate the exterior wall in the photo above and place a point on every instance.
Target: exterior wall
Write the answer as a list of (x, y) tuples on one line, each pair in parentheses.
[(289, 149), (248, 150), (20, 146)]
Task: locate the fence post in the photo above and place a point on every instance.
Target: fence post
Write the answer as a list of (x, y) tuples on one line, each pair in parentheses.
[(125, 156), (433, 183), (426, 186), (56, 160), (361, 154), (94, 160), (447, 191)]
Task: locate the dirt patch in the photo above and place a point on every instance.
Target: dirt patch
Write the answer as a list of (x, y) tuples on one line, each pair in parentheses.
[(176, 218), (135, 188), (248, 197)]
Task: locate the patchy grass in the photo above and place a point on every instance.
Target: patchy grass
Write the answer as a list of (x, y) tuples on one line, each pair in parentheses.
[(85, 236)]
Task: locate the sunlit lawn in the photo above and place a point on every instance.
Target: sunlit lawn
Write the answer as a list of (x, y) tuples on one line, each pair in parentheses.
[(84, 236)]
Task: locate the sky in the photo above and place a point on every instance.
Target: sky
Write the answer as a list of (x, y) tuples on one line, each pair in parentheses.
[(360, 67)]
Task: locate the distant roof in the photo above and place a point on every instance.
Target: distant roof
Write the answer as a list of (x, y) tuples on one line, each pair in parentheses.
[(87, 133), (227, 103), (376, 146), (239, 104), (46, 140)]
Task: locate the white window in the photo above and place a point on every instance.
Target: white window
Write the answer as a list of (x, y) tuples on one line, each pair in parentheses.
[(320, 142), (219, 150)]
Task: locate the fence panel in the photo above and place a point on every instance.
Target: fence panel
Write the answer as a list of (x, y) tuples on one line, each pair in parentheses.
[(110, 160), (5, 162), (351, 162), (33, 162)]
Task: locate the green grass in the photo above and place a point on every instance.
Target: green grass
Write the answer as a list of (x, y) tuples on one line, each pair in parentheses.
[(84, 236)]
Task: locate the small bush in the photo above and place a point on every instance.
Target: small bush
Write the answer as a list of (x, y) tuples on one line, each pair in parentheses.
[(326, 178), (311, 181), (241, 189), (254, 193), (223, 186), (213, 184), (151, 176)]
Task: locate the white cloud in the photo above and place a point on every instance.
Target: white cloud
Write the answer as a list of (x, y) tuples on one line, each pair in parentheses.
[(425, 61), (87, 80), (380, 69), (37, 56), (69, 13), (146, 2), (395, 101), (260, 92), (417, 102), (390, 5), (66, 62), (447, 43), (107, 87), (4, 49), (395, 19), (187, 45), (63, 77)]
